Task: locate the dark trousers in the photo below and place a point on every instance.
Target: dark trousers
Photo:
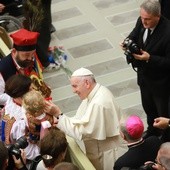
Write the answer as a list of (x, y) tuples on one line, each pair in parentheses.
[(154, 104), (45, 35)]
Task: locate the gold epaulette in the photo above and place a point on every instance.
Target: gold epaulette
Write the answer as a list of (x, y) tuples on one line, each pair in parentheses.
[(8, 126)]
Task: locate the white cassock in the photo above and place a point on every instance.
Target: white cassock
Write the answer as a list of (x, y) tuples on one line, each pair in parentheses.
[(97, 124)]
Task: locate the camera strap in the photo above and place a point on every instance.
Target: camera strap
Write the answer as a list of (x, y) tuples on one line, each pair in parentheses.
[(134, 68)]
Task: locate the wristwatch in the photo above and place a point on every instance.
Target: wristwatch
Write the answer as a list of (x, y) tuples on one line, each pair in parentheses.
[(59, 115)]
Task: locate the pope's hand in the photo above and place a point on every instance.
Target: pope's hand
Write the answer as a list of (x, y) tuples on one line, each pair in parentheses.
[(52, 109)]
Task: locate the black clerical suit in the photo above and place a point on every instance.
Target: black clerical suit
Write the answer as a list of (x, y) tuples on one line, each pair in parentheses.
[(139, 153), (153, 76)]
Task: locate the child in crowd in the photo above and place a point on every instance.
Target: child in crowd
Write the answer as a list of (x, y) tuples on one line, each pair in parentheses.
[(37, 120)]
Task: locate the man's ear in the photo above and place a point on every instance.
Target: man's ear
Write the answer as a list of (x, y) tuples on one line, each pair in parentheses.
[(13, 52), (122, 135)]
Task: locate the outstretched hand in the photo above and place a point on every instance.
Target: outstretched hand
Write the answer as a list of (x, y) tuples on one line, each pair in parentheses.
[(161, 122), (52, 109)]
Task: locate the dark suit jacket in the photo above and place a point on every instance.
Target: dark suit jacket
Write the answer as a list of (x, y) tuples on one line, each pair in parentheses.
[(165, 5), (155, 72), (7, 67)]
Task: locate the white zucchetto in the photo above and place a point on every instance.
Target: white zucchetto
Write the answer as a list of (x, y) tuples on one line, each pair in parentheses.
[(81, 72)]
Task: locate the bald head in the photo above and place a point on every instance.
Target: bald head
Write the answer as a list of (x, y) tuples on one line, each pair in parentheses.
[(163, 155)]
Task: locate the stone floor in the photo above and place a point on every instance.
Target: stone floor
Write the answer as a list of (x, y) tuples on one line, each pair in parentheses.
[(90, 31)]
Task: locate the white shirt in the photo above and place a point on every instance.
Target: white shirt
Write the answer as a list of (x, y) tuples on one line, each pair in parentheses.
[(3, 96)]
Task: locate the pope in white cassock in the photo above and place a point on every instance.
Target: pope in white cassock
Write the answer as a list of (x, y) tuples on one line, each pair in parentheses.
[(96, 122)]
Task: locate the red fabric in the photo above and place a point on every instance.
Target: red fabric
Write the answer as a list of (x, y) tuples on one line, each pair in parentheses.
[(24, 37)]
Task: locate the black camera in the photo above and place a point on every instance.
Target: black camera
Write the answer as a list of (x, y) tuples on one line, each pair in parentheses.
[(130, 48), (143, 167), (14, 149)]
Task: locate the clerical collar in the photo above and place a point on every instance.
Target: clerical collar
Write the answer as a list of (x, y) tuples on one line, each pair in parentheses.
[(93, 92), (135, 144)]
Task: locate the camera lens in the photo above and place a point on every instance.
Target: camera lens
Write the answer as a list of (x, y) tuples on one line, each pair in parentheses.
[(21, 143)]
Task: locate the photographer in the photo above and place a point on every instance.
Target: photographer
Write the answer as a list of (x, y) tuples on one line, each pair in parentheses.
[(4, 159), (152, 35), (20, 163), (162, 161), (163, 157)]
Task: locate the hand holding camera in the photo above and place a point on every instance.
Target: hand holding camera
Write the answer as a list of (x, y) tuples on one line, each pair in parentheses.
[(21, 162), (130, 48), (143, 56), (16, 155), (133, 51)]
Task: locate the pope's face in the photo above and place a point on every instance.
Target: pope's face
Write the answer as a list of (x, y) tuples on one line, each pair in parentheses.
[(80, 87), (24, 58), (148, 20)]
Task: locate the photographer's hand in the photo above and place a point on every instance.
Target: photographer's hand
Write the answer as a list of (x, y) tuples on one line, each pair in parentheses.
[(122, 46), (143, 56), (19, 164)]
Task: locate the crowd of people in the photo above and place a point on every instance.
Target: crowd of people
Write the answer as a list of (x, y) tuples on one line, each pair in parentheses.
[(111, 139), (151, 61)]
